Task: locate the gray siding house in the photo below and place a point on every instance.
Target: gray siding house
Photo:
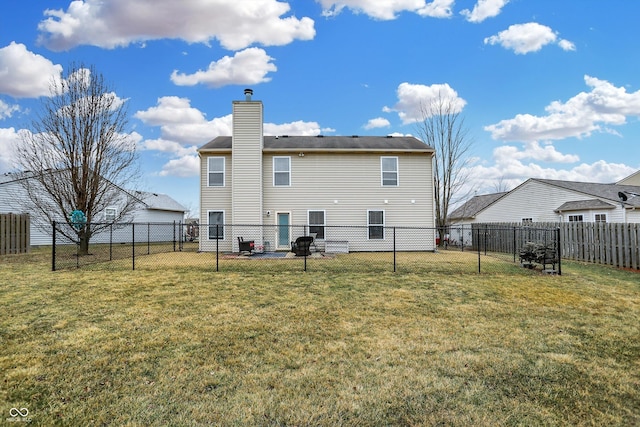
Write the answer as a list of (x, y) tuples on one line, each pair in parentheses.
[(150, 207), (321, 181), (547, 200)]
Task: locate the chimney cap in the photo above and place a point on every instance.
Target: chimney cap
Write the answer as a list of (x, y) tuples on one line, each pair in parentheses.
[(247, 93)]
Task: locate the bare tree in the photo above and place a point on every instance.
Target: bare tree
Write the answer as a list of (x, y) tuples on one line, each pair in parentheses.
[(500, 186), (78, 156), (443, 128)]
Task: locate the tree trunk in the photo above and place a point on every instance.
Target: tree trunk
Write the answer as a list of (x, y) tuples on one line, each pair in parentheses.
[(84, 237)]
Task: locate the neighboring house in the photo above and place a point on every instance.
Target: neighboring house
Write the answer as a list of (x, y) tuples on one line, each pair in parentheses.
[(633, 179), (547, 200), (315, 181), (150, 207)]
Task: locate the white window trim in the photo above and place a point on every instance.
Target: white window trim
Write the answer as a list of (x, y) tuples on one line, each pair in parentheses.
[(324, 217), (575, 215), (384, 219), (224, 171), (274, 171), (224, 215), (600, 213), (107, 216), (397, 171)]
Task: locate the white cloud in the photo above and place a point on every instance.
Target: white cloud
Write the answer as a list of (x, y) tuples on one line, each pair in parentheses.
[(184, 128), (534, 151), (116, 23), (299, 128), (378, 122), (247, 67), (437, 9), (566, 45), (484, 9), (581, 115), (510, 168), (171, 147), (414, 99), (185, 166), (388, 9), (24, 74), (180, 122), (526, 38), (9, 140), (7, 110)]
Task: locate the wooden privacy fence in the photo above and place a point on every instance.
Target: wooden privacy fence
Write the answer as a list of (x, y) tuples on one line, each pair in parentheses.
[(14, 233), (616, 244)]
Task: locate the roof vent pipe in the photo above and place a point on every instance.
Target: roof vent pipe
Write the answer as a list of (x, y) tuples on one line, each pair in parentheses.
[(247, 94)]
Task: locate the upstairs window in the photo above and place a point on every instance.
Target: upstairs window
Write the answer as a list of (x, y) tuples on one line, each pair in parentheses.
[(316, 223), (282, 171), (215, 171), (389, 168), (375, 224)]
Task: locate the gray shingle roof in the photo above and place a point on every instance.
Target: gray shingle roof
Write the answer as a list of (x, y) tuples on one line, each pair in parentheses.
[(329, 143), (474, 205), (580, 205), (158, 201), (601, 191)]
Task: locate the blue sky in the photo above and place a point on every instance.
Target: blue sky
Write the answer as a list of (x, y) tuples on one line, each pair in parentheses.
[(548, 88)]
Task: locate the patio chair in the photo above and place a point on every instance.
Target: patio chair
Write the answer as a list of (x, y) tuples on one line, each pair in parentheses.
[(302, 246), (245, 245)]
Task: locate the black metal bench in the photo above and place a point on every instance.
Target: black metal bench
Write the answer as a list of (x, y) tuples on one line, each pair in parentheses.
[(302, 246), (245, 245)]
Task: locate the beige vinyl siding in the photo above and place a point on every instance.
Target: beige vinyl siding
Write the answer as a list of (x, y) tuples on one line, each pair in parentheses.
[(539, 201), (632, 216), (214, 199), (633, 179), (319, 180), (246, 163), (246, 178)]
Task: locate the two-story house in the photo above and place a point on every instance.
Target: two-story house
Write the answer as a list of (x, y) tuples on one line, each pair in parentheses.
[(315, 181)]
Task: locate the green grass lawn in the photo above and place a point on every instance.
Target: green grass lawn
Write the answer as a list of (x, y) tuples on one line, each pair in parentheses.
[(175, 343)]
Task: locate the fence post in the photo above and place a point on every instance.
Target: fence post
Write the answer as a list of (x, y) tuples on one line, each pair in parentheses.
[(559, 250), (514, 243), (110, 241), (486, 229), (394, 249), (305, 252), (149, 238), (133, 245), (174, 235), (478, 240), (53, 248), (217, 246)]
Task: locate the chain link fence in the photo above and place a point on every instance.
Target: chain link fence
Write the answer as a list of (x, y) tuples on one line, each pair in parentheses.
[(304, 248)]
